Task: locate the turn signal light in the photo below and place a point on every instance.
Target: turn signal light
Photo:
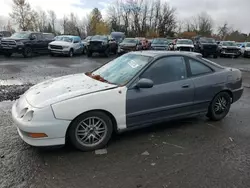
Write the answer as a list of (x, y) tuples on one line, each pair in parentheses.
[(37, 135)]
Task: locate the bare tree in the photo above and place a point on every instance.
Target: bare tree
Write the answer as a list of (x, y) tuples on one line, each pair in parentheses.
[(52, 19), (205, 24), (224, 31), (22, 14), (42, 20)]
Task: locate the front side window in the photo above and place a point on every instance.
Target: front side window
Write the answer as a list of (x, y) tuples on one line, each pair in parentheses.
[(198, 68), (167, 69)]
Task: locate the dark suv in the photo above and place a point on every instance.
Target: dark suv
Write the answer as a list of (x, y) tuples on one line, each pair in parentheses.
[(206, 46), (101, 44), (25, 43)]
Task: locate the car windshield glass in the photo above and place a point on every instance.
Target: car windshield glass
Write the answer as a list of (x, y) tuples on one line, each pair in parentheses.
[(99, 37), (160, 41), (207, 40), (184, 42), (129, 41), (122, 69), (21, 35), (66, 39), (229, 43)]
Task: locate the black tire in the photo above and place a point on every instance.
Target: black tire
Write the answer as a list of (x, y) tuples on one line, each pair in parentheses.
[(215, 56), (236, 56), (52, 55), (75, 139), (71, 53), (89, 53), (216, 116), (84, 51), (7, 54), (107, 52), (27, 52)]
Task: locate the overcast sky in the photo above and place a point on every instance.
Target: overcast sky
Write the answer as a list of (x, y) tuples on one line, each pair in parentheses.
[(235, 12)]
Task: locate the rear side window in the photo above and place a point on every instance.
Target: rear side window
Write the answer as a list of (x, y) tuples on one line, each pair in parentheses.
[(198, 68)]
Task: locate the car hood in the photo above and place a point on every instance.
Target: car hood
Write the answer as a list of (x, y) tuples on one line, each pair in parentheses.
[(231, 47), (61, 43), (63, 88), (185, 45), (247, 48), (127, 44), (159, 45)]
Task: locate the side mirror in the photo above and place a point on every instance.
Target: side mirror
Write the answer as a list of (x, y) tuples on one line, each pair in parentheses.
[(32, 37), (144, 83)]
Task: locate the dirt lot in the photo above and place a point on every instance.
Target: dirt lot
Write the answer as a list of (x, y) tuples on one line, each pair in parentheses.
[(187, 153)]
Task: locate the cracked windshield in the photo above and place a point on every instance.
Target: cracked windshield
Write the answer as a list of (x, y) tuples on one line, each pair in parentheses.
[(124, 94)]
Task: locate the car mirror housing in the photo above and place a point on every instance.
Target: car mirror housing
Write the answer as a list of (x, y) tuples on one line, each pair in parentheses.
[(144, 83)]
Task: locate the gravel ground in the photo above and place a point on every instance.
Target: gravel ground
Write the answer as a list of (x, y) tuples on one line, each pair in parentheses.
[(187, 153)]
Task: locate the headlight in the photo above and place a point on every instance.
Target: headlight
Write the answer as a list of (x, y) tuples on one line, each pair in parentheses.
[(19, 43), (28, 116)]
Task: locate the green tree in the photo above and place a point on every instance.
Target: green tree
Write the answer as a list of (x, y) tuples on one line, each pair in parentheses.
[(95, 19)]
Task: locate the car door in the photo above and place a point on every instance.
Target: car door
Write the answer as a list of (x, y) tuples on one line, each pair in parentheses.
[(171, 96), (206, 83), (40, 43), (77, 45)]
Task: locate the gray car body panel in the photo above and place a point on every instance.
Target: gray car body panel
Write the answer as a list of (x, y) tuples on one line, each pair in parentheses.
[(149, 105)]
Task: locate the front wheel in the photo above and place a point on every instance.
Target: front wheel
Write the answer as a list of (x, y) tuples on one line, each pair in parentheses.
[(91, 131), (27, 52), (71, 53), (7, 54), (220, 106), (215, 56), (107, 52)]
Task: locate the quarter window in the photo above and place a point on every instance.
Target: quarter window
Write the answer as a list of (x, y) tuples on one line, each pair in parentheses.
[(168, 69), (198, 68)]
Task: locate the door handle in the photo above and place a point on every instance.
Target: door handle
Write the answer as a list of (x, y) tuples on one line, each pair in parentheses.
[(185, 86)]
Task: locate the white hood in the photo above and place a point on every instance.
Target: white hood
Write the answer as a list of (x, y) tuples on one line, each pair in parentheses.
[(62, 88), (247, 48), (185, 45), (60, 43)]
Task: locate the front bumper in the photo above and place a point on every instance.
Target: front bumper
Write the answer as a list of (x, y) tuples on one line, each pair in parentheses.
[(64, 51), (230, 53), (42, 122), (237, 94), (12, 49)]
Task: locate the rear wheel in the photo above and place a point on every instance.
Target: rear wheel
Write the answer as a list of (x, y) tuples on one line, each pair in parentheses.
[(52, 55), (219, 106), (107, 52), (7, 54), (91, 131)]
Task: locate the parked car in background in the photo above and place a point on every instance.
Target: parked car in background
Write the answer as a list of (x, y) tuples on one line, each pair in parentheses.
[(206, 46), (245, 49), (66, 45), (144, 42), (229, 48), (49, 36), (239, 44), (2, 35), (128, 45), (184, 45), (25, 43), (118, 36), (127, 93), (159, 44), (102, 44), (85, 43)]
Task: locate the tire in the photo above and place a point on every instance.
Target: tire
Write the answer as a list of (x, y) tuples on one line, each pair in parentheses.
[(27, 52), (52, 55), (215, 56), (89, 54), (219, 107), (82, 130), (71, 53), (84, 51), (107, 52), (7, 54)]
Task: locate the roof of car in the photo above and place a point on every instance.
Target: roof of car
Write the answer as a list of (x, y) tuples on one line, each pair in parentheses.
[(155, 53)]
